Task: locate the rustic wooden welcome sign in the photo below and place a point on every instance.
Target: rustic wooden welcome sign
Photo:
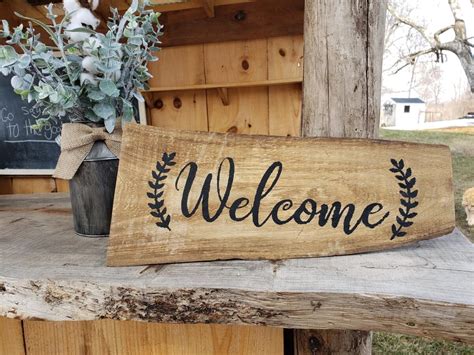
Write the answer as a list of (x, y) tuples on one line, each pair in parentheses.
[(188, 196)]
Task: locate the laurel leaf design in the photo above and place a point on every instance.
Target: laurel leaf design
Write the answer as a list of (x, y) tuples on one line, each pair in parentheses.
[(406, 182), (157, 184)]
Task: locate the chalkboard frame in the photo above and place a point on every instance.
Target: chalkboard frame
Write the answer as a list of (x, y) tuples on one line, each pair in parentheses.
[(49, 172)]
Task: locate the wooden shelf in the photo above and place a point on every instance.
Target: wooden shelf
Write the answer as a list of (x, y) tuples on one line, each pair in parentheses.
[(48, 273), (226, 85), (174, 5)]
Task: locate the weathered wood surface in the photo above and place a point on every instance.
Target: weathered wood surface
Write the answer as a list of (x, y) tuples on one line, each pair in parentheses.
[(48, 273), (323, 342), (343, 53), (343, 47), (342, 78), (260, 197)]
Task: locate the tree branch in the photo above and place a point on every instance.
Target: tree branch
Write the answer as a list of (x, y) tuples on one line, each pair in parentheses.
[(460, 46), (421, 30), (440, 32), (459, 23), (411, 58)]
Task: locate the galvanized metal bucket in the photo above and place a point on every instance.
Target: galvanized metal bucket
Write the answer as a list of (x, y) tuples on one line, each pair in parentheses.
[(92, 192)]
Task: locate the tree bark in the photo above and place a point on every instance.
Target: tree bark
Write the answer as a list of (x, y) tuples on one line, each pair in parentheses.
[(341, 98)]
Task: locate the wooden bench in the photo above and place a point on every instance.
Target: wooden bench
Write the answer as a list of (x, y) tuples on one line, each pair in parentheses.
[(48, 273)]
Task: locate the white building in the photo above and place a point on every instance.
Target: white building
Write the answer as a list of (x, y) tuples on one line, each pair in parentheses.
[(403, 112)]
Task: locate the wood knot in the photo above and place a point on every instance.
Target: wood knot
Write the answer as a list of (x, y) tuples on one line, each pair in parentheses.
[(232, 129), (158, 104), (240, 15), (177, 103), (245, 64), (282, 52), (314, 345)]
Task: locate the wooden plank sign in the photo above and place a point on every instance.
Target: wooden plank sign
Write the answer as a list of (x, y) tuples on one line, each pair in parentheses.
[(188, 196)]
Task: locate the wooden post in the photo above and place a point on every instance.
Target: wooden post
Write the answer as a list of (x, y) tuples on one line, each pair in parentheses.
[(311, 342), (343, 43), (342, 67)]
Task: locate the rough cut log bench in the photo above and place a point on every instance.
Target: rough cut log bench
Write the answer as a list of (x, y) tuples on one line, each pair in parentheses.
[(48, 273)]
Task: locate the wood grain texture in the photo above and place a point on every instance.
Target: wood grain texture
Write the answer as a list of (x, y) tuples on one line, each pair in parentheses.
[(247, 112), (239, 61), (180, 110), (30, 185), (11, 337), (62, 185), (284, 110), (285, 57), (342, 68), (254, 20), (249, 84), (423, 289), (341, 98), (178, 66), (329, 171), (6, 185), (122, 337), (323, 342)]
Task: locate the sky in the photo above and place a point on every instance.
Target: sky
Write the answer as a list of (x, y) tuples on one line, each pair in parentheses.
[(436, 14)]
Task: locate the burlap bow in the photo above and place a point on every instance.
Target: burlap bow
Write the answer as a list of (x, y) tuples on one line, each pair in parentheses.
[(76, 142)]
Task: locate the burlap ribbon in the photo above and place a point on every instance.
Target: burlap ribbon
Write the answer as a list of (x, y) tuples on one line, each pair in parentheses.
[(76, 142)]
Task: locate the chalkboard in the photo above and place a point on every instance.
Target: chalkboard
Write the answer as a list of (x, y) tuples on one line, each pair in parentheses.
[(21, 147), (24, 150)]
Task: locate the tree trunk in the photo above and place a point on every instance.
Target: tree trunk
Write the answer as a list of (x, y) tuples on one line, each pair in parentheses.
[(467, 61), (341, 98)]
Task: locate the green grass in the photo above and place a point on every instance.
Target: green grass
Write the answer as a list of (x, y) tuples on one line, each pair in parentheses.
[(462, 148), (384, 344)]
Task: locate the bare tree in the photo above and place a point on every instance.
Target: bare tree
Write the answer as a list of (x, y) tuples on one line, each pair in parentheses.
[(399, 40), (461, 45), (430, 83), (460, 90)]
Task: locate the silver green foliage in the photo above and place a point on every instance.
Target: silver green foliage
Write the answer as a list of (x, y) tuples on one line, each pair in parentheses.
[(52, 77)]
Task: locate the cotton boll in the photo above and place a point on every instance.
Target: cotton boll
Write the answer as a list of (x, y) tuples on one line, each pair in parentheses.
[(85, 17), (76, 36), (87, 77), (71, 6), (90, 64), (94, 4), (81, 18), (74, 5)]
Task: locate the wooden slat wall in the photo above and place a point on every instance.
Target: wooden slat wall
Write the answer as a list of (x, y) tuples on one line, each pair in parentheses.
[(121, 337), (263, 109), (11, 337), (31, 185)]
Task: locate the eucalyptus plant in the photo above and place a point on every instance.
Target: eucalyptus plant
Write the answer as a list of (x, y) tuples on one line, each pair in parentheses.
[(54, 78)]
